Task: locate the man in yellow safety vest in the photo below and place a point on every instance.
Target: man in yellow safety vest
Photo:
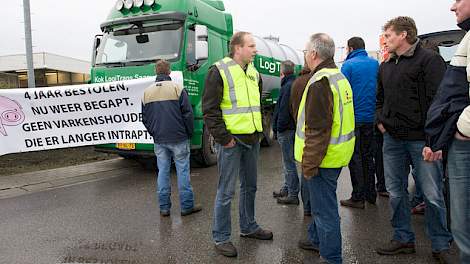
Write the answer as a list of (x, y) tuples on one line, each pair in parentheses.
[(232, 112), (324, 143)]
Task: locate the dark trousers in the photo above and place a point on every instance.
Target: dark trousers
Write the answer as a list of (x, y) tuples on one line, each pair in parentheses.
[(379, 160), (361, 166)]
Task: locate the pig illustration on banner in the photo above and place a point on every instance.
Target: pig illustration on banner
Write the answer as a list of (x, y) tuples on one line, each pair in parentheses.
[(11, 114)]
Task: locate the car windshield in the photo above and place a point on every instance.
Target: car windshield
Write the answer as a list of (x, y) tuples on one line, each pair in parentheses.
[(145, 42)]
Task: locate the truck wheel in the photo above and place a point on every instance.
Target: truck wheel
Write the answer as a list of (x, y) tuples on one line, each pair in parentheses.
[(268, 139), (206, 156)]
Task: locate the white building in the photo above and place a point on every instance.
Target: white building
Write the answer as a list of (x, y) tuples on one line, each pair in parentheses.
[(49, 70)]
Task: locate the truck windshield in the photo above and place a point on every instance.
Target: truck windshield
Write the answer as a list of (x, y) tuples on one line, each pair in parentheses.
[(131, 44)]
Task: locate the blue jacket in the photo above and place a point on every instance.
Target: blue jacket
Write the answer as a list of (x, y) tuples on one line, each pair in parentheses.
[(282, 118), (166, 111), (361, 72)]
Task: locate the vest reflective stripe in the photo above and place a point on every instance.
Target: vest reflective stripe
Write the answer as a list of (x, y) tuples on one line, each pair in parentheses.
[(241, 110), (221, 65), (241, 102), (342, 138)]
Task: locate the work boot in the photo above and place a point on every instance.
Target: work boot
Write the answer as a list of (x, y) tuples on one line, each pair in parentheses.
[(352, 203), (384, 194), (445, 257), (395, 247), (280, 193), (288, 200), (419, 209), (260, 234), (226, 249), (308, 245), (196, 208)]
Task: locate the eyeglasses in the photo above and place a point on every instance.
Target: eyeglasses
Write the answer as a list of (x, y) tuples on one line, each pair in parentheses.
[(307, 51)]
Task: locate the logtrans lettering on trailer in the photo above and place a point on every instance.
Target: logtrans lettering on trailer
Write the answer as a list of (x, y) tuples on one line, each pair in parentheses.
[(268, 66)]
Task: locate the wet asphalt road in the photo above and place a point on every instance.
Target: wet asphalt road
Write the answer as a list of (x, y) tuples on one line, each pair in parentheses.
[(117, 221)]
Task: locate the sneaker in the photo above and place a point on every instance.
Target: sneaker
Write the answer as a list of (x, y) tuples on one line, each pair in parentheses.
[(445, 257), (419, 209), (165, 213), (226, 249), (196, 208), (260, 234), (288, 200), (394, 247), (352, 203), (384, 194), (308, 245), (280, 193)]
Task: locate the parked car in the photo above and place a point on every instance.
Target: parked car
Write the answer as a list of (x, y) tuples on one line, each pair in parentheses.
[(445, 41)]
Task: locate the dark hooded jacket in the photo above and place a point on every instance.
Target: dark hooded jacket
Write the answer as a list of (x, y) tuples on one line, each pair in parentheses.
[(451, 99), (283, 119)]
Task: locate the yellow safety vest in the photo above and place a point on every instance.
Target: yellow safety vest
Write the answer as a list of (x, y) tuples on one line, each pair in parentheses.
[(341, 146), (241, 102)]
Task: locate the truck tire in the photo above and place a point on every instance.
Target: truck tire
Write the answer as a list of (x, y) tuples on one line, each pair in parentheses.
[(268, 133), (206, 156)]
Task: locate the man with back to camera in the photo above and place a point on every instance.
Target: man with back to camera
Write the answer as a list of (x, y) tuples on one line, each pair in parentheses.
[(361, 72), (168, 116), (284, 127)]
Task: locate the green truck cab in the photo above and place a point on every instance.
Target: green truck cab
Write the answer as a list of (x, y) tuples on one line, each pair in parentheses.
[(192, 35)]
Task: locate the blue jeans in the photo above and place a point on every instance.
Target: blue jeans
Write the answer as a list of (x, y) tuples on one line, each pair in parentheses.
[(418, 195), (459, 182), (429, 177), (286, 141), (180, 153), (305, 194), (238, 161), (325, 230)]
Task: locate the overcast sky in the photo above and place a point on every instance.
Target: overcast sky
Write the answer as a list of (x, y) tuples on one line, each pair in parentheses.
[(67, 27)]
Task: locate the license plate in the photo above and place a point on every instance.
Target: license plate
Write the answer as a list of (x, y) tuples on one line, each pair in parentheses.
[(126, 146)]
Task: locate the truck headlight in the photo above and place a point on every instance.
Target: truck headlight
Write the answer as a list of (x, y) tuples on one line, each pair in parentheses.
[(149, 2), (138, 3), (119, 5), (128, 4)]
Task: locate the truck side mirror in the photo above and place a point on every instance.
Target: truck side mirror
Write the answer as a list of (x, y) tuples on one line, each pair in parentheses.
[(96, 44), (202, 50), (202, 47), (201, 32)]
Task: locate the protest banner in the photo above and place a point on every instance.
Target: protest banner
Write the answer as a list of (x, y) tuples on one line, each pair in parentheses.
[(34, 119)]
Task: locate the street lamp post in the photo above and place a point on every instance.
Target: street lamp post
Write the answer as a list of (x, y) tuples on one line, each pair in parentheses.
[(28, 43)]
